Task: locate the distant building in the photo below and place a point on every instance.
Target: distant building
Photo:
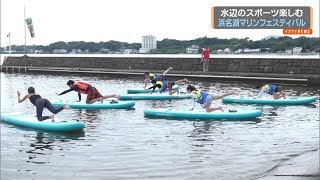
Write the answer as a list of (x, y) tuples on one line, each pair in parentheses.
[(194, 49), (149, 42), (59, 51), (238, 51), (297, 50), (130, 51), (219, 51), (288, 51), (104, 51), (227, 50), (39, 51), (143, 51), (246, 50)]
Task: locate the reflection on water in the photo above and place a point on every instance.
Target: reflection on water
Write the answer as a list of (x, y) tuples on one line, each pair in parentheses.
[(43, 143), (123, 144)]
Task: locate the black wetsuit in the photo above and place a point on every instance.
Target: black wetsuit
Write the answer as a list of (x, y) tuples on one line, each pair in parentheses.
[(41, 103)]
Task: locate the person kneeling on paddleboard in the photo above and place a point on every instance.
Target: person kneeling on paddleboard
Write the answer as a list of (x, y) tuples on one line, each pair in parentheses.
[(270, 89), (93, 94), (40, 104), (205, 99)]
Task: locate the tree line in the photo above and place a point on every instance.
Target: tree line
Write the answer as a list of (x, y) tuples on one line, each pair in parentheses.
[(173, 46)]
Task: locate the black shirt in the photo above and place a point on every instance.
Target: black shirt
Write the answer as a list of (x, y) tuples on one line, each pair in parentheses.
[(33, 98)]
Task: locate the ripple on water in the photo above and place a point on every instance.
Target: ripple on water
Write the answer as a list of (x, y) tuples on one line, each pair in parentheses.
[(123, 144)]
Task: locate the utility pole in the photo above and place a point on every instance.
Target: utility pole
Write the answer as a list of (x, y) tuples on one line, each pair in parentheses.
[(9, 36), (25, 30)]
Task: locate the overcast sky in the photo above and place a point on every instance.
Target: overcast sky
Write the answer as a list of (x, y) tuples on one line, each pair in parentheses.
[(127, 20)]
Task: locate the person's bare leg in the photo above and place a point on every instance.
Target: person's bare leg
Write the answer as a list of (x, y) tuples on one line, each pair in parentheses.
[(210, 109), (222, 95), (181, 80), (52, 117), (166, 71), (204, 65), (214, 109), (66, 106), (207, 66), (278, 95), (103, 98), (172, 92), (283, 94)]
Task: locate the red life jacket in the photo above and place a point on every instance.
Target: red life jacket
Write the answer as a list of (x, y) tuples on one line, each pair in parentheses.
[(83, 87)]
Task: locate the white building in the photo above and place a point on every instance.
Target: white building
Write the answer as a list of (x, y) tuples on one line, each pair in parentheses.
[(143, 51), (288, 51), (246, 50), (192, 50), (297, 50), (219, 51), (227, 50), (149, 42), (238, 51)]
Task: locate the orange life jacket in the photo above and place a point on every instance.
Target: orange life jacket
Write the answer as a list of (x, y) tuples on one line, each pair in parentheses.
[(83, 87)]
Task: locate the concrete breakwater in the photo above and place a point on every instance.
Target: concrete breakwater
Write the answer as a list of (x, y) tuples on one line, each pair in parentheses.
[(235, 68)]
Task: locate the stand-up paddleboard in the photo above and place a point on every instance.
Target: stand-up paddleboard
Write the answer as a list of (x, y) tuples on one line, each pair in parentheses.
[(155, 96), (97, 105), (200, 115), (31, 121), (269, 101), (141, 90)]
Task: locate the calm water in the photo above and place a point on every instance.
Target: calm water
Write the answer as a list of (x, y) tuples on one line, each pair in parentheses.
[(123, 144)]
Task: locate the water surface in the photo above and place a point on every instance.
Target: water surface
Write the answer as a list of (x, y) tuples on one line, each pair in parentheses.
[(123, 144)]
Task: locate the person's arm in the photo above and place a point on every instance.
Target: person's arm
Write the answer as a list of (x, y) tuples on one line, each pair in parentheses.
[(154, 87), (79, 95), (73, 88), (23, 99), (263, 90), (194, 97), (146, 82)]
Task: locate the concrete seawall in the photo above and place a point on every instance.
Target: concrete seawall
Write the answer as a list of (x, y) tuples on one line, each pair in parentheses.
[(269, 69)]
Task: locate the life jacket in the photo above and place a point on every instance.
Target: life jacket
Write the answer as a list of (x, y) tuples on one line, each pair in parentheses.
[(83, 87), (155, 77), (201, 96), (270, 88), (164, 86)]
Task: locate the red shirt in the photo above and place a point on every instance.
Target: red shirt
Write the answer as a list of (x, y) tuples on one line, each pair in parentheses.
[(205, 54)]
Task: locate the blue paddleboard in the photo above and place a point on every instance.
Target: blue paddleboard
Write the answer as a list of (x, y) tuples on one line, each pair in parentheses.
[(141, 90), (31, 121), (97, 105), (270, 101), (155, 96), (200, 115)]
